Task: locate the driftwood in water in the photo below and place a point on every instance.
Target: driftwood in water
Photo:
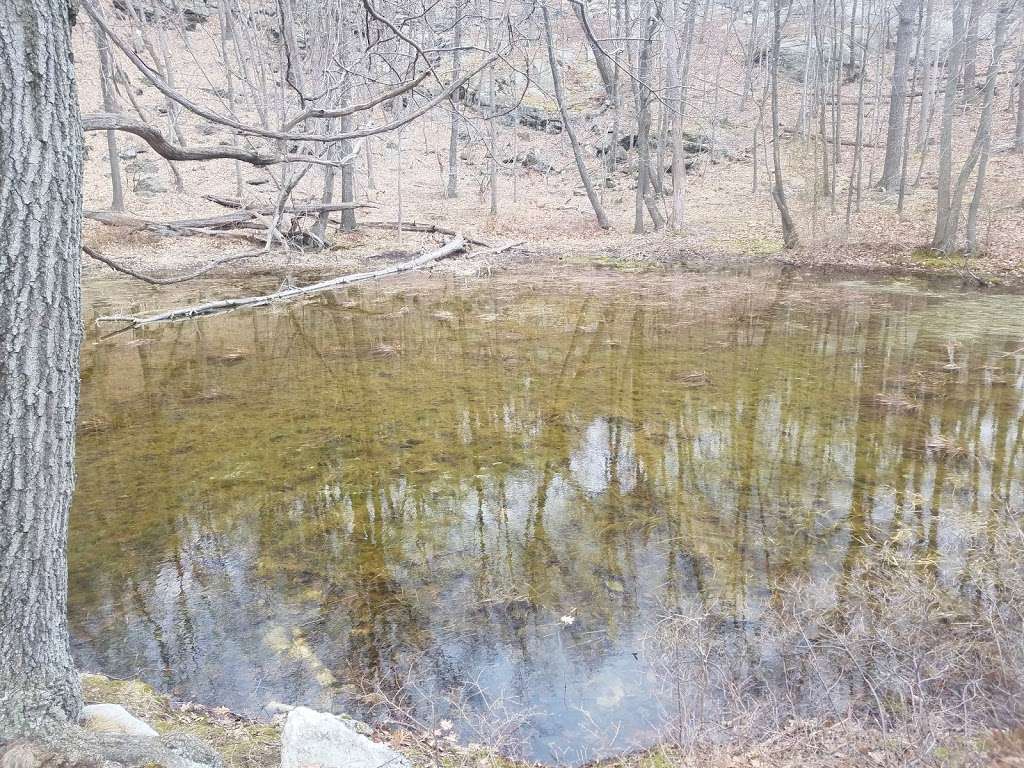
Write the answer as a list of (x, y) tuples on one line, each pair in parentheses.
[(226, 305)]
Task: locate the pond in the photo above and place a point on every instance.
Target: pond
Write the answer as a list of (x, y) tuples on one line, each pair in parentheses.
[(471, 500)]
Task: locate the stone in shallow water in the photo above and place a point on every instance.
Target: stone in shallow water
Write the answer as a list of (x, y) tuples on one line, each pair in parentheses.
[(113, 718), (322, 740)]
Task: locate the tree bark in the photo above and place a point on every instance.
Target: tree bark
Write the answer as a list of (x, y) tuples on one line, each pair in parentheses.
[(40, 336)]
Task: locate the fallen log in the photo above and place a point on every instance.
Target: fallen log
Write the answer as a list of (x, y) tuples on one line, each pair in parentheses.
[(200, 226), (226, 305), (210, 225)]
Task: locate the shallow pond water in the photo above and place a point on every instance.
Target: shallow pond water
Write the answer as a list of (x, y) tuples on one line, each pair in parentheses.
[(475, 499)]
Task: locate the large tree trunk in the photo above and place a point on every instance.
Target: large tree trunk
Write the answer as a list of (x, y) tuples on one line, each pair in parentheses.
[(907, 12), (40, 335)]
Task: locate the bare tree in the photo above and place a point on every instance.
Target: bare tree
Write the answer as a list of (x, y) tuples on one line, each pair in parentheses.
[(556, 78), (790, 237)]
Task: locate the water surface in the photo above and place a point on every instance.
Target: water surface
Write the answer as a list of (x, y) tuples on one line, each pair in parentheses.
[(490, 491)]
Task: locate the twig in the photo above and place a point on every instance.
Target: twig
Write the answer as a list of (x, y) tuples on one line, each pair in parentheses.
[(94, 254)]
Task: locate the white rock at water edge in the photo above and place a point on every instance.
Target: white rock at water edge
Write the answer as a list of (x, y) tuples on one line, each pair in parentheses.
[(313, 739), (113, 718)]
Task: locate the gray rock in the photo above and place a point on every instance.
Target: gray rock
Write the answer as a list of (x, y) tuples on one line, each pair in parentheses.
[(149, 184), (113, 718), (74, 746), (532, 160), (320, 739)]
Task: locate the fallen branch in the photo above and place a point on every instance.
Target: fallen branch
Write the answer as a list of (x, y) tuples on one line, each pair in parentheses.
[(499, 249), (226, 305), (208, 225), (185, 227), (117, 267), (412, 226)]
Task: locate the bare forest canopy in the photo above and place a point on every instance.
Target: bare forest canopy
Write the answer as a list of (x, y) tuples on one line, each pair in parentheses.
[(866, 120)]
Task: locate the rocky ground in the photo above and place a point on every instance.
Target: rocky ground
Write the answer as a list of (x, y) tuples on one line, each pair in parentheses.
[(185, 735)]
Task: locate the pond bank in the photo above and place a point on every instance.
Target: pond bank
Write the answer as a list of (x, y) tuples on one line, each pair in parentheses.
[(248, 743), (372, 249)]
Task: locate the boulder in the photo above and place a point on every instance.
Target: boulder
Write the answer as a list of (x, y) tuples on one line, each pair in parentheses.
[(149, 184), (532, 160), (320, 739), (113, 718)]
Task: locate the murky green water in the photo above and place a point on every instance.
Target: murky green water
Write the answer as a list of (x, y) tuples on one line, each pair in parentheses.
[(497, 488)]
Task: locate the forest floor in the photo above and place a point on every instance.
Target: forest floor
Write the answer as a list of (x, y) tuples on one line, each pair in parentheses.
[(249, 743), (541, 202)]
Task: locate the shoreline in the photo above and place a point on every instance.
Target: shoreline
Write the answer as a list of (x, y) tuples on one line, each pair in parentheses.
[(851, 260), (246, 742)]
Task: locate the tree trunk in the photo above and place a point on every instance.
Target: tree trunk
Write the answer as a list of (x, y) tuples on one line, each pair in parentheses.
[(971, 51), (556, 79), (110, 105), (453, 137), (604, 66), (40, 336), (907, 10), (790, 238), (643, 120), (941, 238), (1018, 141)]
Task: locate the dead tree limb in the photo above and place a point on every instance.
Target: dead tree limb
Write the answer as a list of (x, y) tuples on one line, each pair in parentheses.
[(226, 305), (117, 267), (412, 226), (111, 121)]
